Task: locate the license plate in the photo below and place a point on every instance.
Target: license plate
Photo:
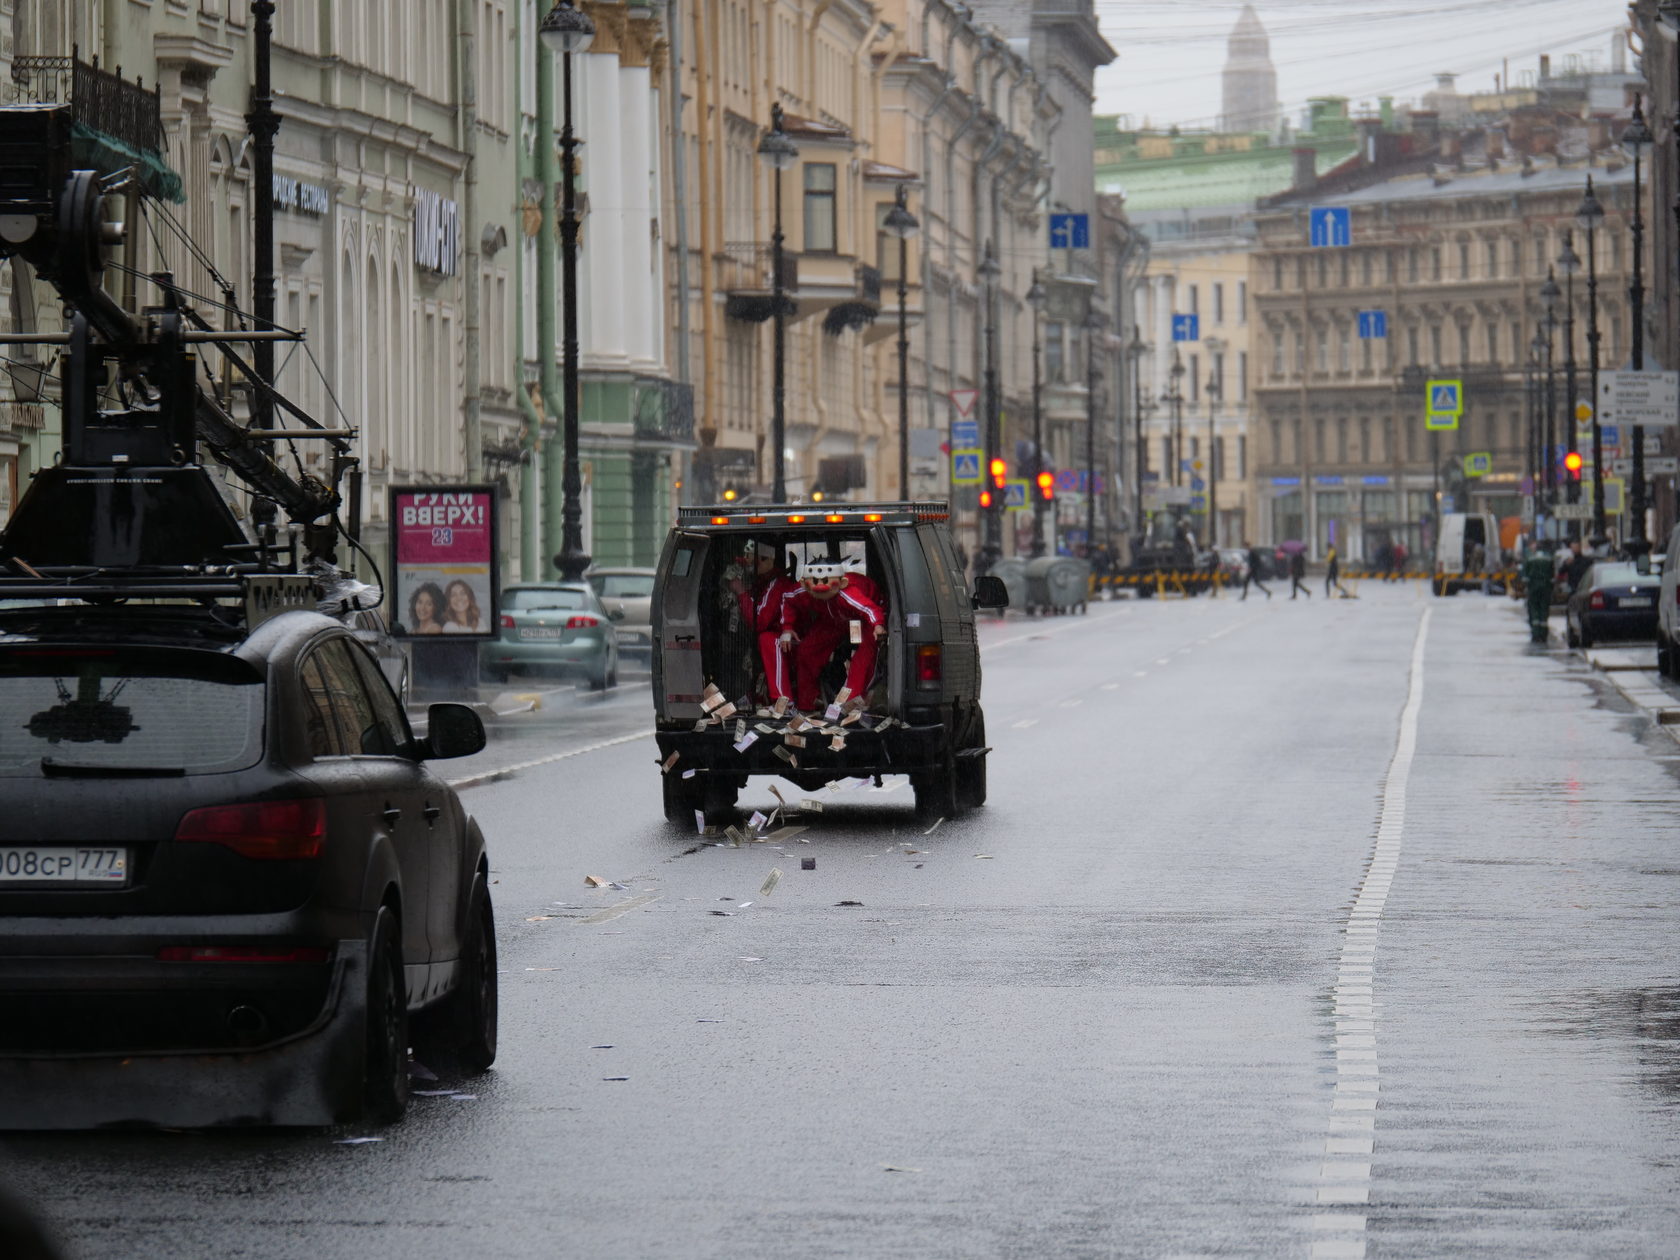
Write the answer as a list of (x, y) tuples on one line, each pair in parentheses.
[(54, 864), (1635, 603), (540, 632)]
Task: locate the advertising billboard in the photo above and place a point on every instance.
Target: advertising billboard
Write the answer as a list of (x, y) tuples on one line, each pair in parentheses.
[(443, 560)]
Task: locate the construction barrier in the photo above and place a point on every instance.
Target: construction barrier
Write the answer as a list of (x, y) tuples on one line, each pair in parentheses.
[(1184, 583)]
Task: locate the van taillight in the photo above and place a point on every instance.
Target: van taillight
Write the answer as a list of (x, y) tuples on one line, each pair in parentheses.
[(267, 830), (929, 667)]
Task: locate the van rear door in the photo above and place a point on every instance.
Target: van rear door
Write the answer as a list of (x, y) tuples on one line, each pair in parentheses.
[(678, 671)]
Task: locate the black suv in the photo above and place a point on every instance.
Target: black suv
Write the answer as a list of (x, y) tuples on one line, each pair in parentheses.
[(920, 716), (228, 876)]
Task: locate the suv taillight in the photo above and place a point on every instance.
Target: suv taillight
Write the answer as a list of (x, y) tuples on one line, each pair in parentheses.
[(929, 665), (267, 830)]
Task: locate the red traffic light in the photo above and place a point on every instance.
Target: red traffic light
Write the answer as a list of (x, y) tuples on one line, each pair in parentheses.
[(1047, 486), (985, 498), (1572, 462), (1000, 472)]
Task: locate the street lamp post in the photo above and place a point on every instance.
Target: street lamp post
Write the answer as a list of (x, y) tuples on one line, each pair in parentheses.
[(1590, 215), (1569, 263), (1533, 460), (1549, 294), (1036, 299), (779, 152), (902, 224), (1215, 391), (991, 519), (1636, 140), (567, 30), (1174, 397), (1093, 381), (1135, 350)]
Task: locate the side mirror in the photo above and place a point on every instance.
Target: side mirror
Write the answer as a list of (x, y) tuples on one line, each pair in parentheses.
[(452, 730), (990, 592), (615, 614)]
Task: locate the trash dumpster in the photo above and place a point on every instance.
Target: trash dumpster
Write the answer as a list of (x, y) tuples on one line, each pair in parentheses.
[(1058, 584), (1012, 572), (1537, 582)]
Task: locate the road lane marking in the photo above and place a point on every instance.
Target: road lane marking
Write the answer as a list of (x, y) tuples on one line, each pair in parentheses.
[(1071, 704), (623, 907), (1352, 1123), (1073, 623), (478, 780), (1024, 723)]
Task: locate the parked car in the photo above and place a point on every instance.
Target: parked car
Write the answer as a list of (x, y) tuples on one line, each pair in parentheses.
[(232, 890), (627, 595), (921, 712), (1614, 601), (553, 628)]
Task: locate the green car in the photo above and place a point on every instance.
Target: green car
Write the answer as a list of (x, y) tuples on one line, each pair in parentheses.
[(553, 628)]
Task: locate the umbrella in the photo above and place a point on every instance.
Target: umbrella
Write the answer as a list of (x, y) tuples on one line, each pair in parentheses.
[(1292, 545)]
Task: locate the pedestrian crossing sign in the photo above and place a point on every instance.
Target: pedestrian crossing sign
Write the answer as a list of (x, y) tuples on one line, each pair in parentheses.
[(1478, 463), (965, 468), (1015, 496), (1446, 398)]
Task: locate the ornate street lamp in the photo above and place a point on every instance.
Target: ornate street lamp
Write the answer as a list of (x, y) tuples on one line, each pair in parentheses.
[(1535, 460), (1136, 348), (779, 152), (1637, 139), (1590, 215), (1174, 397), (1094, 324), (902, 224), (567, 30), (1549, 295), (1215, 393), (1036, 299), (1569, 263), (991, 521)]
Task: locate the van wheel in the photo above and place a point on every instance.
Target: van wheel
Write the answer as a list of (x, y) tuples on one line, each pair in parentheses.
[(385, 1067), (461, 1029), (937, 792), (971, 771), (682, 796)]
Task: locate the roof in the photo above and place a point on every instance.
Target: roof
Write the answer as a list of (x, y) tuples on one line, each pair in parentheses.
[(1223, 179), (1507, 181)]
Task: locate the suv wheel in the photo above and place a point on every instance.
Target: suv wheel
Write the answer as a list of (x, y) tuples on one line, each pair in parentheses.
[(971, 770), (462, 1028), (385, 1068), (937, 791)]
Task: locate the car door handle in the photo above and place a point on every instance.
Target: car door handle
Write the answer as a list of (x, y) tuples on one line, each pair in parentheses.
[(391, 815), (430, 813)]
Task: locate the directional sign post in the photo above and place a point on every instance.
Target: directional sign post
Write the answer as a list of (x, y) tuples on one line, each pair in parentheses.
[(1186, 327), (1070, 231), (965, 435), (1373, 325), (1330, 226), (1650, 400), (965, 468)]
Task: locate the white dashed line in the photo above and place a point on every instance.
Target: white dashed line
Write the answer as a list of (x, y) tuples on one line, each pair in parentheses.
[(1344, 1175), (1024, 723), (1110, 686), (1071, 704), (475, 780)]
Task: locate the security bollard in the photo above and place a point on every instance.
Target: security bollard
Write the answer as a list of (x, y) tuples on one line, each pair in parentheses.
[(1537, 582)]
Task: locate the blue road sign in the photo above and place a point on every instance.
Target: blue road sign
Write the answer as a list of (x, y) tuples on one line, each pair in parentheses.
[(1196, 483), (1610, 435), (1070, 231), (1373, 325), (1198, 502), (1330, 226), (1014, 496), (1446, 398), (965, 435), (965, 468), (1187, 327)]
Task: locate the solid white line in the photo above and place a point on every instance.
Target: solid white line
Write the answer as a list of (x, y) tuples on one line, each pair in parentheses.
[(1024, 723), (623, 907), (476, 780)]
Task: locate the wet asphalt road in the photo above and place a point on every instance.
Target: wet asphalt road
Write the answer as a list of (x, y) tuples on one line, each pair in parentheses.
[(1291, 929)]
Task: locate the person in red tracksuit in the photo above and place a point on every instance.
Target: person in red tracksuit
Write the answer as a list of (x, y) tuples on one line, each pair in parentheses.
[(761, 609), (818, 619)]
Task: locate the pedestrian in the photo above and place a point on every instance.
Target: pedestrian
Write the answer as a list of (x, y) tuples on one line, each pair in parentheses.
[(1575, 568), (1253, 572), (1297, 571), (1400, 555), (1332, 574)]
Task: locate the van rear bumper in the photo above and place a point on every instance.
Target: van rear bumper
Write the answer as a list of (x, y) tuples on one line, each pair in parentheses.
[(899, 749)]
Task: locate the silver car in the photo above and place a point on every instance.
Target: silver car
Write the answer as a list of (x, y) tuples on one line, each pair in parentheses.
[(627, 595), (552, 628)]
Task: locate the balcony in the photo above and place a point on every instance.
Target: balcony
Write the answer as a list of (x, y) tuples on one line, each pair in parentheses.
[(744, 274), (114, 123), (664, 410), (862, 307)]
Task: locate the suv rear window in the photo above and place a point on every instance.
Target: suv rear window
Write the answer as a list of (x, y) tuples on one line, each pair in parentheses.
[(119, 709), (623, 585), (531, 600)]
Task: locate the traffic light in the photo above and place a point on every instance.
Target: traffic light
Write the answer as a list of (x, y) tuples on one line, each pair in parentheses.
[(1000, 472), (1572, 463), (730, 494), (985, 499), (1047, 486)]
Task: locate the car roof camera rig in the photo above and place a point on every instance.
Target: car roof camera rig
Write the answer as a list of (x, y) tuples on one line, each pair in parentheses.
[(129, 509)]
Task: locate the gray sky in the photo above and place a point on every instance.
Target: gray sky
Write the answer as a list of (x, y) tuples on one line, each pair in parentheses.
[(1172, 51)]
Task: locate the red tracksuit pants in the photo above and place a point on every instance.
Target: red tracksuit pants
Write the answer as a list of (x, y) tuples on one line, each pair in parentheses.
[(818, 645), (778, 665)]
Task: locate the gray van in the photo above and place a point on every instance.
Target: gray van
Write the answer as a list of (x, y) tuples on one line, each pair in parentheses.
[(921, 716)]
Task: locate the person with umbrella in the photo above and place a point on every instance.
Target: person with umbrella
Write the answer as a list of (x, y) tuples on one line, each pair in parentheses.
[(1253, 572)]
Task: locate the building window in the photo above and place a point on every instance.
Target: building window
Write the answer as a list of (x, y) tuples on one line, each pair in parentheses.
[(1435, 263), (1053, 364), (1344, 352), (1277, 273), (1540, 255), (1412, 345), (1301, 353), (1219, 303), (1412, 265), (1242, 376), (1195, 448), (1219, 458), (1277, 356), (1195, 378), (1341, 441), (1365, 353), (1615, 338), (1436, 358), (1464, 260), (1323, 272), (1365, 441), (1393, 266), (1492, 259), (1464, 344), (819, 208), (1517, 348), (1167, 456), (1493, 342), (1323, 350), (1300, 272), (1242, 301), (1242, 456), (1195, 299), (1365, 270)]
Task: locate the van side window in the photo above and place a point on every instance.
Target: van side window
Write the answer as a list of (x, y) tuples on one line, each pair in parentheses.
[(681, 562)]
